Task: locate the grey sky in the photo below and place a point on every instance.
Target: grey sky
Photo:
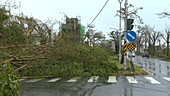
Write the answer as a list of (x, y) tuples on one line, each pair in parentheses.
[(87, 9)]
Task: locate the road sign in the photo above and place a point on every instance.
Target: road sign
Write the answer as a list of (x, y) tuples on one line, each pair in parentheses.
[(131, 36), (131, 47)]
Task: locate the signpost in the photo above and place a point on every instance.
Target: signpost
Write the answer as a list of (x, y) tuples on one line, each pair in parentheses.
[(131, 36)]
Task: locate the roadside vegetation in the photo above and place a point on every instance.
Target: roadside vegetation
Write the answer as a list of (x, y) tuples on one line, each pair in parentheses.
[(163, 55), (64, 59), (129, 71), (9, 80)]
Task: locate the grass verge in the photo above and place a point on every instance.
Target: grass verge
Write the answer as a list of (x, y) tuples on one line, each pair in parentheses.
[(138, 70)]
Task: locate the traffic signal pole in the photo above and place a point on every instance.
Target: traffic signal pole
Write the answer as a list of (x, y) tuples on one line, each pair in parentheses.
[(125, 31)]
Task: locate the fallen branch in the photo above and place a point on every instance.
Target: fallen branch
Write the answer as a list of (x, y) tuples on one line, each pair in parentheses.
[(21, 67), (30, 59), (6, 54), (26, 45)]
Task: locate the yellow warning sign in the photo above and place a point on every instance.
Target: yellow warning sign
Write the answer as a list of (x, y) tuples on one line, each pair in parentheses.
[(131, 47)]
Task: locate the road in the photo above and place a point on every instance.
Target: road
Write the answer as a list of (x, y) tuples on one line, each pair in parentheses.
[(157, 84), (155, 66)]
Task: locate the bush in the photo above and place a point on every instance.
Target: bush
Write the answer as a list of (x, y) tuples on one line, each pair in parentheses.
[(9, 83)]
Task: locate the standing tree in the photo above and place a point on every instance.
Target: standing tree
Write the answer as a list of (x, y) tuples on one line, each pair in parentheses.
[(151, 37), (167, 30), (97, 38), (132, 13), (140, 38), (90, 34), (114, 35), (94, 37), (154, 35), (167, 39)]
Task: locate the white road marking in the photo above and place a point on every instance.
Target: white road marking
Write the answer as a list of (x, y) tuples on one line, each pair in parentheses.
[(93, 79), (74, 79), (54, 80), (21, 79), (112, 79), (34, 80), (131, 79), (131, 36), (167, 78), (152, 80), (18, 80)]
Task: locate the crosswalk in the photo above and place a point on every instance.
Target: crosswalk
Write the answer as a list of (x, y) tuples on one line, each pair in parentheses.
[(54, 80), (74, 79), (34, 80), (131, 79), (152, 80), (110, 79), (167, 78), (93, 79)]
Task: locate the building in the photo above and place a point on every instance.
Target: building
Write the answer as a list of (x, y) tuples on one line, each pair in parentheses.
[(72, 30)]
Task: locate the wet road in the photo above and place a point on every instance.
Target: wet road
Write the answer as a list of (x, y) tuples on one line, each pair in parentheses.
[(155, 66), (152, 85)]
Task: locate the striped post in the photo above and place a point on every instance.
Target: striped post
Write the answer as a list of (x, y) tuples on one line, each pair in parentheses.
[(125, 48)]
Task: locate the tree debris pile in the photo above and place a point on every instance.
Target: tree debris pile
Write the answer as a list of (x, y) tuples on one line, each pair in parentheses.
[(62, 59)]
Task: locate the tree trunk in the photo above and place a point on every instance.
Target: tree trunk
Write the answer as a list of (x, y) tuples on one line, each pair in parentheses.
[(168, 34), (117, 47), (167, 49), (138, 47), (153, 52), (150, 49)]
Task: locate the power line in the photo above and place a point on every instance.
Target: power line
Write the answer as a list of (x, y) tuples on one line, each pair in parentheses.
[(98, 13)]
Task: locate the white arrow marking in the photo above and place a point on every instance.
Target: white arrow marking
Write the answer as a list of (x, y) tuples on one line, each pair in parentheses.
[(131, 36)]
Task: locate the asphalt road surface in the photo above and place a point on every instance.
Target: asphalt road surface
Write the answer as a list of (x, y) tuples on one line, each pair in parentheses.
[(156, 84)]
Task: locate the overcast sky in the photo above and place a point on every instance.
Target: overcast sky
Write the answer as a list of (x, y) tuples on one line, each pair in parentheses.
[(88, 9)]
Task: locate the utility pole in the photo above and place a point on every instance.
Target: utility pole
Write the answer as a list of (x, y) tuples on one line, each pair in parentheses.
[(125, 30), (120, 2)]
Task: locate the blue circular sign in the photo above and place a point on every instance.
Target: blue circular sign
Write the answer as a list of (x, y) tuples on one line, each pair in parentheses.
[(131, 36)]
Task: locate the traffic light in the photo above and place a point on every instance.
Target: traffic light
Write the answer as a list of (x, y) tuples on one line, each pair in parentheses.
[(129, 24)]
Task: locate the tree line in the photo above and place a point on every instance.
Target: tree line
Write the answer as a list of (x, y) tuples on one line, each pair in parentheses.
[(147, 37)]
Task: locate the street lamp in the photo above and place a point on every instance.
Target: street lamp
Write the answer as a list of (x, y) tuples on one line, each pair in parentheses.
[(120, 2)]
